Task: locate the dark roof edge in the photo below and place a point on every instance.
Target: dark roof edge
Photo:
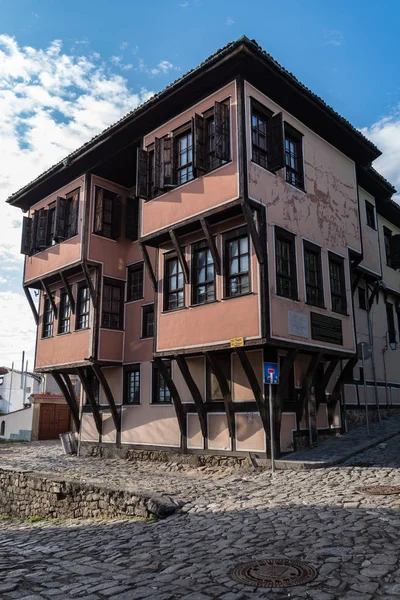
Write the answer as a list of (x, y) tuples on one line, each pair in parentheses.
[(213, 58)]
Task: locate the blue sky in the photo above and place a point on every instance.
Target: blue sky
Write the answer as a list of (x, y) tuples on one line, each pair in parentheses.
[(69, 69)]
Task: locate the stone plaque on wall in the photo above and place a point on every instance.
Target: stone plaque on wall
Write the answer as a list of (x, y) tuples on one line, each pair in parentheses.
[(298, 324)]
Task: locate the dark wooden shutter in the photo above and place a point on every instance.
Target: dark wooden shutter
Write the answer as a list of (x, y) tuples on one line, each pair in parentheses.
[(167, 167), (98, 210), (199, 158), (275, 143), (142, 174), (395, 251), (132, 219), (26, 236), (74, 213), (42, 228), (157, 166), (116, 217), (221, 119), (35, 219), (59, 228)]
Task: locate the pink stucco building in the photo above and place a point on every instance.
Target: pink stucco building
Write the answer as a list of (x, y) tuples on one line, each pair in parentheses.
[(231, 220)]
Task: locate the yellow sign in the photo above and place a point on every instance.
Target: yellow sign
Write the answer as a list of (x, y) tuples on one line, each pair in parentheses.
[(237, 342)]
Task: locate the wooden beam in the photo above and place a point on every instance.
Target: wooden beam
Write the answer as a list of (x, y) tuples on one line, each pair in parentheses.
[(89, 281), (50, 297), (32, 305), (337, 390), (180, 255), (356, 281), (194, 391), (148, 265), (371, 298), (109, 395), (92, 402), (255, 387), (327, 377), (287, 366), (176, 399), (68, 289), (226, 392), (255, 238), (71, 400), (305, 390), (205, 225), (70, 388)]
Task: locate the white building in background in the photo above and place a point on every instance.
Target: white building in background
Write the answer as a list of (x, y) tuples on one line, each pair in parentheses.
[(16, 387)]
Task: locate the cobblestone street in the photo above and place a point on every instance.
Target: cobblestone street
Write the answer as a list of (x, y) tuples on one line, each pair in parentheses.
[(318, 516)]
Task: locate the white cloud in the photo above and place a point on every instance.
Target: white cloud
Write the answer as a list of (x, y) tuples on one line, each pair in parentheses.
[(184, 4), (333, 37), (163, 67), (51, 102), (385, 133), (123, 45), (229, 21)]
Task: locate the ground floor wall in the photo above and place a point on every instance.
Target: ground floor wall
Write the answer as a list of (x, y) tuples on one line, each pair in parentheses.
[(17, 425)]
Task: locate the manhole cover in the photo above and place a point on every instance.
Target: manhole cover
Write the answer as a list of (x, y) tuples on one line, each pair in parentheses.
[(380, 490), (273, 573)]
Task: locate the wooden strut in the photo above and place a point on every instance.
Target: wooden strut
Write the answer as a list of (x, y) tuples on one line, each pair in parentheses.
[(71, 401), (89, 394), (68, 289), (337, 390), (109, 395), (305, 395), (70, 388), (180, 255), (93, 293), (176, 399), (255, 387), (255, 237), (287, 366), (50, 297), (326, 379), (355, 282), (371, 298), (226, 393), (148, 265), (194, 391), (32, 305), (205, 225)]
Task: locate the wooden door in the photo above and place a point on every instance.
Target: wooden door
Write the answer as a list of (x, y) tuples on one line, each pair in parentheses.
[(54, 419)]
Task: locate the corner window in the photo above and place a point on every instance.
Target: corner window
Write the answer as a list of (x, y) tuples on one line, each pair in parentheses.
[(294, 157), (113, 304), (82, 306), (135, 282), (203, 275), (313, 275), (387, 239), (107, 213), (148, 320), (132, 384), (338, 285), (259, 119), (370, 212), (237, 263), (174, 284), (161, 393), (362, 298), (48, 319), (285, 259), (64, 313)]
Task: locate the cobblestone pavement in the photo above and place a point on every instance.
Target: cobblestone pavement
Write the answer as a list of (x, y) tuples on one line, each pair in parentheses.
[(315, 516)]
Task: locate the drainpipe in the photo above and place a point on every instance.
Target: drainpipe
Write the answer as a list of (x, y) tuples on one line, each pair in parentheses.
[(11, 381), (24, 393)]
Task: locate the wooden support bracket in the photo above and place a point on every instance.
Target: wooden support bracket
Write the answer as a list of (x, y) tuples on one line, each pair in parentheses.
[(327, 377), (255, 387), (50, 296), (255, 237), (211, 244), (109, 395), (287, 366), (194, 391), (180, 255), (93, 293), (149, 267), (305, 390), (71, 400), (225, 391), (68, 289), (337, 390), (89, 394), (176, 399), (32, 305)]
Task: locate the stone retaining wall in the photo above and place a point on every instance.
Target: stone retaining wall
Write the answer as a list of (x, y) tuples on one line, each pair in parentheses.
[(23, 494)]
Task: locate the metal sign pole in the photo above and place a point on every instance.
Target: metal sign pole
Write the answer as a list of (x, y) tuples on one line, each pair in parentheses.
[(271, 426), (365, 387)]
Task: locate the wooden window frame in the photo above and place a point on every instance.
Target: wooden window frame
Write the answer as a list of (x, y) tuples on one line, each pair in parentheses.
[(47, 326), (294, 174), (128, 370), (196, 248), (284, 236), (310, 249), (370, 215), (339, 262), (107, 221), (236, 235), (170, 257), (387, 236), (64, 313), (158, 384), (51, 223), (108, 315), (146, 310), (261, 113), (187, 166), (79, 315), (133, 270)]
